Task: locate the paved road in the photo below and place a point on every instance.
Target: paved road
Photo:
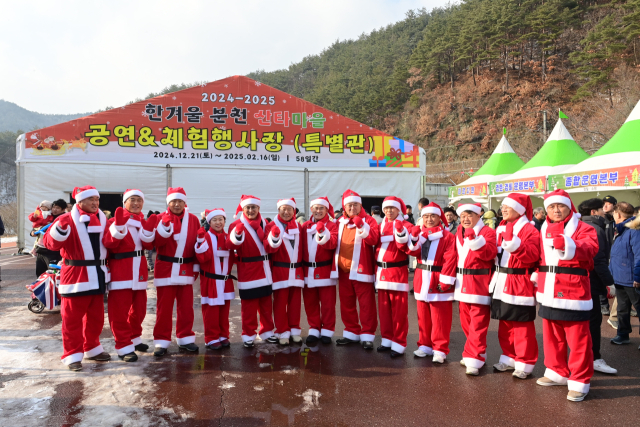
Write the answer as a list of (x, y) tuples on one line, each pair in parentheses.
[(330, 385)]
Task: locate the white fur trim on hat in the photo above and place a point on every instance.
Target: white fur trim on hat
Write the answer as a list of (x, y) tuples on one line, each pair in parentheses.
[(557, 199), (246, 202), (215, 213), (352, 199), (392, 203), (132, 193), (430, 210), (286, 202), (86, 194), (322, 202), (468, 207), (514, 205), (178, 196)]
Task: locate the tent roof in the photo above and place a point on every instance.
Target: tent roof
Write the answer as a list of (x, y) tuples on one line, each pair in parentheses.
[(503, 161)]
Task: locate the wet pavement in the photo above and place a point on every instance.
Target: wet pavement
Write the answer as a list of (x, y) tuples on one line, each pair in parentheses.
[(325, 385)]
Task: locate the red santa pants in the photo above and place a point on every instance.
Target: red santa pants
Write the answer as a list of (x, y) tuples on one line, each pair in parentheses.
[(393, 309), (320, 306), (559, 336), (216, 322), (249, 312), (519, 344), (127, 309), (354, 293), (82, 322), (287, 304), (434, 326), (166, 295), (474, 319)]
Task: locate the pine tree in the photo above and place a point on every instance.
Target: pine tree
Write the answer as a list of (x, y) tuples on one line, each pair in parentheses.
[(631, 26)]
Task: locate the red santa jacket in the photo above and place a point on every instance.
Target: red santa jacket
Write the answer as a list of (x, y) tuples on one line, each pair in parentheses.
[(287, 249), (74, 244), (392, 248), (127, 273), (251, 275), (39, 221), (441, 253), (174, 245), (522, 252), (567, 291), (215, 258), (319, 248), (477, 254), (363, 265)]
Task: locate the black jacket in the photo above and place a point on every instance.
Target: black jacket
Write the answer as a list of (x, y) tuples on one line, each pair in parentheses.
[(600, 277), (609, 231), (537, 223)]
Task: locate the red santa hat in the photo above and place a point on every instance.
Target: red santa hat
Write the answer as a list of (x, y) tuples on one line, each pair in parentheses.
[(81, 193), (324, 201), (177, 193), (244, 201), (473, 207), (211, 213), (434, 208), (395, 202), (560, 196), (350, 196), (287, 202), (520, 203), (132, 192)]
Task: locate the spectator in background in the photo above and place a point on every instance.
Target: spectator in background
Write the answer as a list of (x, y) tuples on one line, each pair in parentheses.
[(599, 277), (151, 253), (423, 202), (41, 216), (625, 267), (44, 256), (69, 206), (268, 220), (376, 214), (410, 215), (107, 214), (610, 232), (203, 221), (452, 219), (538, 217), (300, 217), (490, 219)]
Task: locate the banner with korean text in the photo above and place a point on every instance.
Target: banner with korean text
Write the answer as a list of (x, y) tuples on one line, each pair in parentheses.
[(621, 177)]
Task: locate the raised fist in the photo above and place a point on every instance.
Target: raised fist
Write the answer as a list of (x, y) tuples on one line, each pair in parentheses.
[(469, 233), (151, 222), (201, 233), (121, 218), (276, 232), (166, 219), (558, 243), (239, 228), (320, 227), (358, 222), (415, 231), (508, 233), (399, 226)]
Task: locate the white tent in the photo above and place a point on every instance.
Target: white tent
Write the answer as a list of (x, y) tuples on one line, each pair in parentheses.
[(220, 140)]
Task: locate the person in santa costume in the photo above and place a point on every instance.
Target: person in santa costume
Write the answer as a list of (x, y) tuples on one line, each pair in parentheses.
[(392, 276), (246, 237), (355, 270), (84, 277), (126, 238), (476, 254), (216, 282), (320, 239), (283, 243), (433, 282), (175, 271), (564, 293), (513, 294)]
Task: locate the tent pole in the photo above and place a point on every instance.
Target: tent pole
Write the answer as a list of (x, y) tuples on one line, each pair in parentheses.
[(306, 192), (169, 177), (20, 208)]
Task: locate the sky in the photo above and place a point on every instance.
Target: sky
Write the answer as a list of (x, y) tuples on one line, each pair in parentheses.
[(81, 56)]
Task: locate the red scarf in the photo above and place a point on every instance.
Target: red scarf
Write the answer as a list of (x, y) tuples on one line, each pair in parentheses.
[(324, 220), (221, 237), (94, 220), (137, 217), (389, 226), (505, 222), (426, 231), (361, 215), (256, 224), (176, 220), (291, 225)]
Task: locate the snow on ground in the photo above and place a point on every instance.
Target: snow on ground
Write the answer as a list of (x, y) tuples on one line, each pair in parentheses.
[(8, 239)]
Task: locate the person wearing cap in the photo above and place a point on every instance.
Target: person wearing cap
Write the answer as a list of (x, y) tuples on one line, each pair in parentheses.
[(246, 237), (476, 254), (355, 270), (283, 243), (435, 249), (513, 300), (84, 277), (564, 293), (42, 215), (44, 256), (610, 231), (175, 271), (127, 236), (319, 242), (216, 282), (392, 276)]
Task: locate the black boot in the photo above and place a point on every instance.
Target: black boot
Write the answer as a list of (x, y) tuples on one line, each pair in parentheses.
[(189, 347), (142, 347), (129, 357), (383, 348), (160, 351)]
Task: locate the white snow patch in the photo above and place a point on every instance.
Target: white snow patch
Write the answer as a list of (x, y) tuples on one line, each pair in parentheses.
[(310, 400)]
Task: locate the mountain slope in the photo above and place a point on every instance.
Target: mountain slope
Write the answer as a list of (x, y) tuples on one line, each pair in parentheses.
[(14, 118)]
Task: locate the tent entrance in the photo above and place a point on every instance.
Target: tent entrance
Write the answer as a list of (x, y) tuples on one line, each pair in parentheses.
[(368, 202), (108, 201)]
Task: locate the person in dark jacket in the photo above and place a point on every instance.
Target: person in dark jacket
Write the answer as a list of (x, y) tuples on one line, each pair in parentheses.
[(45, 256), (625, 268), (410, 215), (539, 216), (600, 277)]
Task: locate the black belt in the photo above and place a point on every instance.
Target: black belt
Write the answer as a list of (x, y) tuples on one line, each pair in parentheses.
[(123, 255), (217, 276), (85, 263), (474, 271), (317, 264), (392, 264), (518, 271), (563, 270), (177, 260), (427, 267), (290, 265), (255, 258)]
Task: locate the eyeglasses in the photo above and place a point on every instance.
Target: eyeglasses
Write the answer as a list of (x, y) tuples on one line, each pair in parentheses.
[(251, 207)]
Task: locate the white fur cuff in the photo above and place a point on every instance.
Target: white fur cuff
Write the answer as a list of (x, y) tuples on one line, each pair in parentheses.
[(363, 232), (513, 245), (164, 231), (60, 234), (477, 243), (324, 237), (569, 249), (402, 237), (118, 232), (147, 236), (235, 239), (273, 242)]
